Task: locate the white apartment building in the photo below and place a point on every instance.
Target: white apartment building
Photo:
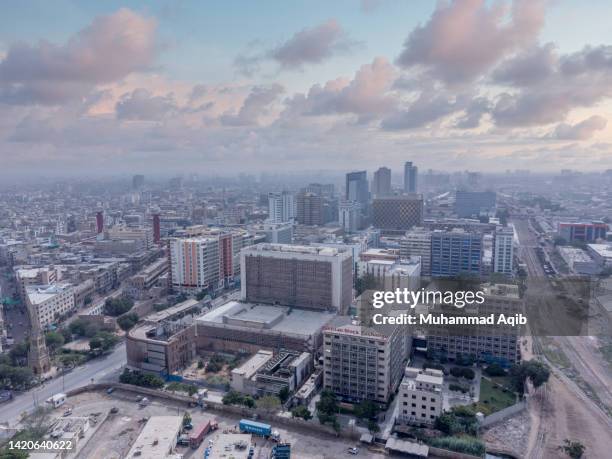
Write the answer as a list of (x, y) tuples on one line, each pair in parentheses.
[(417, 243), (49, 302), (503, 251), (420, 396), (282, 207)]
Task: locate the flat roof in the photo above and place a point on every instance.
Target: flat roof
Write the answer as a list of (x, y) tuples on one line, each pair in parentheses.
[(267, 248), (603, 250), (407, 447), (158, 437), (250, 367), (281, 319), (40, 293), (166, 313), (224, 446)]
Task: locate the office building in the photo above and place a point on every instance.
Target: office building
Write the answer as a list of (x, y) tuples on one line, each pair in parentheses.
[(357, 188), (278, 233), (579, 261), (310, 209), (381, 183), (474, 203), (410, 177), (583, 231), (308, 277), (394, 215), (417, 243), (455, 253), (50, 302), (363, 363), (281, 207), (503, 251), (350, 216), (420, 396), (325, 190), (138, 181)]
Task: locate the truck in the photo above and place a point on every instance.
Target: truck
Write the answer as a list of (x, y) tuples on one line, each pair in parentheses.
[(258, 428), (57, 400), (197, 435)]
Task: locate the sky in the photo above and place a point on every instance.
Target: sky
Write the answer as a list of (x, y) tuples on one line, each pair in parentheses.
[(97, 88)]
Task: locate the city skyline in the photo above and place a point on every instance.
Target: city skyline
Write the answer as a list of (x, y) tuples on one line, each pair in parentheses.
[(191, 89)]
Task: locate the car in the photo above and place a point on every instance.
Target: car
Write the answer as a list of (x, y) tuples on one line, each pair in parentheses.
[(354, 451), (114, 410), (110, 390)]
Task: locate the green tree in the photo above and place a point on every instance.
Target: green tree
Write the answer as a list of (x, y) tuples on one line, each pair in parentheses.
[(186, 419), (573, 449), (366, 409), (283, 394), (537, 372), (373, 426), (269, 403), (127, 321), (117, 306), (301, 411), (54, 340)]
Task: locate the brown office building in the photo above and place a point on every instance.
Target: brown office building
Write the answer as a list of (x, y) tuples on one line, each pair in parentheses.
[(395, 215)]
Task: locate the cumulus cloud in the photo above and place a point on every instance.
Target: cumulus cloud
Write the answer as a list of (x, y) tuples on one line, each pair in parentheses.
[(110, 48), (463, 39), (528, 68), (256, 105), (365, 95), (308, 46), (583, 130), (142, 105), (426, 109)]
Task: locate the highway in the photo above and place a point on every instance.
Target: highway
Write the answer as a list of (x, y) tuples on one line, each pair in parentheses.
[(101, 369)]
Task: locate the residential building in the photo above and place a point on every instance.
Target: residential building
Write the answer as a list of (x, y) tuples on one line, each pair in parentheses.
[(310, 209), (420, 396), (50, 302), (394, 215), (281, 207), (311, 277), (455, 252), (411, 173), (503, 251), (194, 263), (417, 243)]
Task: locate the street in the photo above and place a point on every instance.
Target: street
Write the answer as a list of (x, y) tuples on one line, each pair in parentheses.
[(101, 369)]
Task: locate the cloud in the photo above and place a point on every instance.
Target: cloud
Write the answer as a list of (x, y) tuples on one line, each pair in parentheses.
[(463, 39), (580, 131), (142, 105), (528, 68), (427, 108), (256, 105), (309, 46), (365, 95), (110, 48)]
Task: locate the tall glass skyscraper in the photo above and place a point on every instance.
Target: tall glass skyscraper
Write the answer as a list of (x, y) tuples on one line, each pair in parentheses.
[(410, 177)]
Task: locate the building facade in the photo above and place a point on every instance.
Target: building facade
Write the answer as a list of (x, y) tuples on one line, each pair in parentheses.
[(281, 207), (420, 396), (381, 183), (411, 173), (503, 251), (455, 252), (397, 214), (417, 243)]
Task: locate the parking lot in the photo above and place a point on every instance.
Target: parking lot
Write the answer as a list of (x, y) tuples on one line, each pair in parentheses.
[(114, 434)]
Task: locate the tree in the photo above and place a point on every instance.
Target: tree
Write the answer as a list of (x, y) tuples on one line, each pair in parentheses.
[(537, 372), (366, 282), (141, 379), (186, 419), (373, 426), (573, 449), (269, 403), (54, 340), (367, 409), (127, 321), (301, 412), (447, 423), (283, 394), (201, 295), (117, 306), (495, 370)]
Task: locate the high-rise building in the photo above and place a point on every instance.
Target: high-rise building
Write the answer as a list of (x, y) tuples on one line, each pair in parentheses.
[(381, 183), (349, 213), (99, 222), (474, 203), (138, 181), (281, 207), (194, 263), (417, 243), (397, 214), (156, 229), (456, 252), (357, 188), (583, 231), (410, 177), (363, 363), (503, 251), (325, 190), (310, 209), (308, 277), (420, 396)]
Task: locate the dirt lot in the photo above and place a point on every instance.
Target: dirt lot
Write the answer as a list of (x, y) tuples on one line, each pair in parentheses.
[(114, 436)]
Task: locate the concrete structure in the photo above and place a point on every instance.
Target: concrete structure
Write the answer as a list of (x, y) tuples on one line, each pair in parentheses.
[(394, 215), (403, 275), (456, 252), (357, 188), (349, 215), (381, 184), (420, 396), (474, 203), (281, 207), (363, 362), (194, 263), (410, 177), (147, 278), (579, 261), (99, 222), (240, 377), (50, 302), (310, 209), (157, 439), (582, 231), (310, 277), (230, 446), (278, 233), (247, 327), (601, 253), (417, 243), (36, 276), (503, 251)]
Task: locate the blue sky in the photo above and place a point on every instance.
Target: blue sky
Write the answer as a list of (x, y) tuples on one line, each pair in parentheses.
[(384, 74)]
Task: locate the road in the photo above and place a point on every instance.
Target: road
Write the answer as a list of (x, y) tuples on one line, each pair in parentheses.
[(100, 369)]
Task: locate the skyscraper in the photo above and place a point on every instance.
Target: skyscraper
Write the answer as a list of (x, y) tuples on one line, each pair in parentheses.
[(503, 251), (381, 184), (456, 252), (138, 181), (410, 177), (310, 209), (99, 222), (281, 207), (156, 229), (357, 188)]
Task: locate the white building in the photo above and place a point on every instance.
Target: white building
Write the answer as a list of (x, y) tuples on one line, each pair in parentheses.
[(49, 302), (417, 243), (278, 233), (158, 438), (503, 251), (282, 207), (349, 213), (579, 261), (601, 253), (194, 263), (420, 396)]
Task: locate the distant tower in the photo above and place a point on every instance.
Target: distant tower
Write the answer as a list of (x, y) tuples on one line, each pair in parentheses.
[(99, 222), (156, 229), (38, 356), (410, 177), (138, 181)]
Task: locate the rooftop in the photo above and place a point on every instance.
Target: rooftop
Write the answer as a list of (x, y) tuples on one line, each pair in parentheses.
[(158, 437), (250, 367), (40, 293), (297, 249)]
